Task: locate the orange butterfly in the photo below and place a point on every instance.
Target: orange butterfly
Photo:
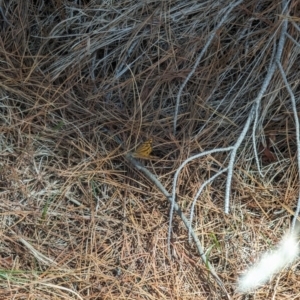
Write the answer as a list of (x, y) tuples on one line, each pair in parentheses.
[(144, 150)]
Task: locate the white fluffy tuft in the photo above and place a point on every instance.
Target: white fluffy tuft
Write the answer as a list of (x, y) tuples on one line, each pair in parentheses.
[(270, 263)]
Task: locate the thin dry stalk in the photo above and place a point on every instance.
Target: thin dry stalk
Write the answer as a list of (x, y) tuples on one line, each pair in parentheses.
[(82, 84)]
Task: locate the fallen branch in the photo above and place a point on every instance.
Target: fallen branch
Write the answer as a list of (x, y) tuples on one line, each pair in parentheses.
[(177, 209), (211, 37)]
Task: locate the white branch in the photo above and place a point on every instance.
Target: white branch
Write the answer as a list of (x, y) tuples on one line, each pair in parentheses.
[(212, 35), (175, 183), (293, 40), (211, 179), (232, 158), (267, 80), (176, 207), (297, 136)]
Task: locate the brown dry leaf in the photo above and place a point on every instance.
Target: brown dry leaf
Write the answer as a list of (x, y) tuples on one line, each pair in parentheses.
[(268, 155)]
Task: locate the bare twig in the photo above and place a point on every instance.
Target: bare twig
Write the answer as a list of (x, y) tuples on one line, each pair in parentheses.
[(55, 286), (233, 156), (296, 119), (254, 112), (258, 99), (175, 184), (212, 35), (293, 40), (175, 206), (211, 179), (38, 255)]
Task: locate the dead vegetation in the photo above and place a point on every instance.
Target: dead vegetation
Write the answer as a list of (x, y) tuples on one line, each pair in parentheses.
[(82, 83)]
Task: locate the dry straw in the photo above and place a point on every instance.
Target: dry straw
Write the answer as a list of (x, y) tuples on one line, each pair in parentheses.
[(83, 83)]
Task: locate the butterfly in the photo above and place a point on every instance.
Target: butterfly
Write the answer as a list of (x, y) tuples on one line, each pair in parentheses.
[(144, 150)]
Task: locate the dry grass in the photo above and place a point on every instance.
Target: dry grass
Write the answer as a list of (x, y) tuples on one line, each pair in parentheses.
[(84, 82)]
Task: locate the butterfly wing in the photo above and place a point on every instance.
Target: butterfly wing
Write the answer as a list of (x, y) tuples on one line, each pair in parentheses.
[(144, 150)]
